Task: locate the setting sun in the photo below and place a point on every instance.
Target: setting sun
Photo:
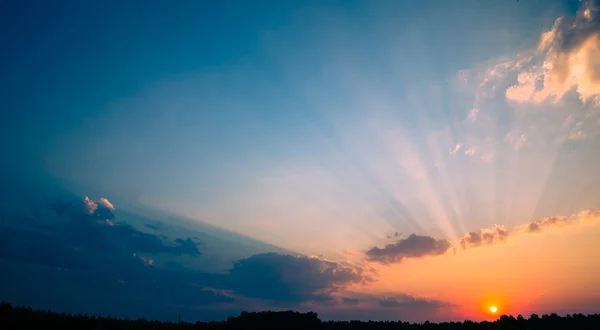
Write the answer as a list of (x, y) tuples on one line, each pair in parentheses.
[(493, 309)]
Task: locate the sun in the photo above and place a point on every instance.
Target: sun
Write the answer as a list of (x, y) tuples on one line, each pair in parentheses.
[(493, 309)]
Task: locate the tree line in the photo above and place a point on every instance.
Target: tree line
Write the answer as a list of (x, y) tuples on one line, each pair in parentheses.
[(15, 317)]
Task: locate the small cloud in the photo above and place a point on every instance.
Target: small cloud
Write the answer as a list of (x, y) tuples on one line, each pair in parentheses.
[(455, 150), (146, 261), (470, 152), (105, 203), (90, 205), (539, 225), (484, 237), (413, 246), (516, 140), (472, 116), (394, 235)]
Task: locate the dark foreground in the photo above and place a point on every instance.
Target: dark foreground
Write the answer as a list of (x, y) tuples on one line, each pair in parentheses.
[(25, 318)]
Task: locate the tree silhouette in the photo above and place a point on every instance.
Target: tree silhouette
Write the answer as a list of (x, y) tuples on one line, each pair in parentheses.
[(12, 317)]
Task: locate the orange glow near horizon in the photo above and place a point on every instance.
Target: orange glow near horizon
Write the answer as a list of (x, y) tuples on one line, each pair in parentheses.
[(521, 276)]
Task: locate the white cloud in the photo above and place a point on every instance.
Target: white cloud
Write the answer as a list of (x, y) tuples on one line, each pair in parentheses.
[(456, 149), (567, 59)]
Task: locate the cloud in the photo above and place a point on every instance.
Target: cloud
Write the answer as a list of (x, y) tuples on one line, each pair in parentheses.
[(384, 306), (498, 234), (567, 58), (406, 300), (456, 149), (538, 226), (88, 230), (470, 152), (84, 210), (418, 246), (350, 301), (484, 237), (413, 246), (289, 278), (91, 261), (105, 203), (90, 205)]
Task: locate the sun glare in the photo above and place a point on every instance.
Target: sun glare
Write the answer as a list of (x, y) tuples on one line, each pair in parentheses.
[(493, 309)]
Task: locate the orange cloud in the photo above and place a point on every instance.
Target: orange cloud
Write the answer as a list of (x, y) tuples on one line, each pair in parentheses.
[(500, 235), (415, 246), (484, 237)]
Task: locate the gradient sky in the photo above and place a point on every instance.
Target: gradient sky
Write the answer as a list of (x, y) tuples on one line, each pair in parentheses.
[(363, 159)]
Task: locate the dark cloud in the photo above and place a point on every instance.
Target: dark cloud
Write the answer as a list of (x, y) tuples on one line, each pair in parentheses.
[(88, 260), (413, 246), (389, 302), (151, 226), (92, 260), (92, 226), (290, 278), (395, 306), (350, 301)]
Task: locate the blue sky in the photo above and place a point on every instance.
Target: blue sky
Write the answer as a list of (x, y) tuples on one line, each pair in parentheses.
[(308, 127)]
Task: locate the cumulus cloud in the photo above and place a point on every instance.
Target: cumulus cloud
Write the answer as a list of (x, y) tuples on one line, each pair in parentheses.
[(498, 234), (101, 208), (289, 278), (484, 237), (539, 225), (418, 246), (567, 58), (105, 203), (414, 246), (586, 217)]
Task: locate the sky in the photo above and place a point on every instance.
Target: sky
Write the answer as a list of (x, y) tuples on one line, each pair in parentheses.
[(364, 160)]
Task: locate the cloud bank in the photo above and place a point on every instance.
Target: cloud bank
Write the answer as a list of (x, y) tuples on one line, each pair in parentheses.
[(416, 246), (122, 270), (499, 235)]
